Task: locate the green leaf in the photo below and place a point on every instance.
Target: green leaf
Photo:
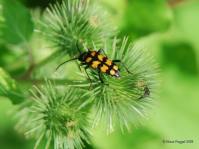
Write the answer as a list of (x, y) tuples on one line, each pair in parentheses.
[(18, 25), (187, 21), (183, 57), (8, 88), (1, 18), (142, 18)]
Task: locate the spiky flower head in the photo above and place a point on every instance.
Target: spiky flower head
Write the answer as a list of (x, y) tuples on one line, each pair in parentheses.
[(61, 116), (124, 101), (75, 21), (54, 118)]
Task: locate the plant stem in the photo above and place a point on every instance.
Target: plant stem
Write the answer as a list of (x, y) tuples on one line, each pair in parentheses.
[(47, 59), (56, 81)]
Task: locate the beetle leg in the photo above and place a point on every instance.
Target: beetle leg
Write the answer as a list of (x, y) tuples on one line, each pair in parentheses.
[(102, 51), (79, 66), (100, 77), (88, 50), (88, 77), (119, 61)]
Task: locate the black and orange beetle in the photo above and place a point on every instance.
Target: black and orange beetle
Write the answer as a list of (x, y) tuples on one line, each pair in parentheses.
[(98, 60)]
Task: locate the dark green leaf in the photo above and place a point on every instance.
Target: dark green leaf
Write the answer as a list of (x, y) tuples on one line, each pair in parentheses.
[(18, 25), (1, 19), (143, 17), (8, 88), (182, 55)]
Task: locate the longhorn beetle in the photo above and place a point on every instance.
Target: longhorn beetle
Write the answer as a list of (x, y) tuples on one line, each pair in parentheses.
[(99, 61)]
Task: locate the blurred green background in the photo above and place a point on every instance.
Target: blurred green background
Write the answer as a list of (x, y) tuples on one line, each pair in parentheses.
[(168, 29)]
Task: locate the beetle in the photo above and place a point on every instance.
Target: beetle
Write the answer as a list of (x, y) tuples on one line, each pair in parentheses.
[(98, 60)]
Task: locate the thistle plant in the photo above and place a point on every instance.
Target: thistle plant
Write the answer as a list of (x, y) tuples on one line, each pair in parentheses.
[(59, 118), (62, 114), (76, 20), (125, 100)]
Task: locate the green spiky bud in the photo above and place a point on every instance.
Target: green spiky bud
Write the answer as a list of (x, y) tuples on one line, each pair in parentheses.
[(124, 100), (57, 119), (76, 21)]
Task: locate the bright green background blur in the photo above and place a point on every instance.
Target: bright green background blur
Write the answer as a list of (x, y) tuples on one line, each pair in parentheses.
[(170, 31)]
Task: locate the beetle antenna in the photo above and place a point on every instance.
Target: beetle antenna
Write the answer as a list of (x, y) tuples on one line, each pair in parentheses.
[(65, 62)]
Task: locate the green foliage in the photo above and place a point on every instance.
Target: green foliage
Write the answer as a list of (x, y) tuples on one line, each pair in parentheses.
[(60, 112), (117, 102), (143, 17), (116, 98), (8, 88), (59, 119), (38, 3), (140, 138), (17, 26), (6, 81), (76, 21), (1, 20), (184, 57)]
